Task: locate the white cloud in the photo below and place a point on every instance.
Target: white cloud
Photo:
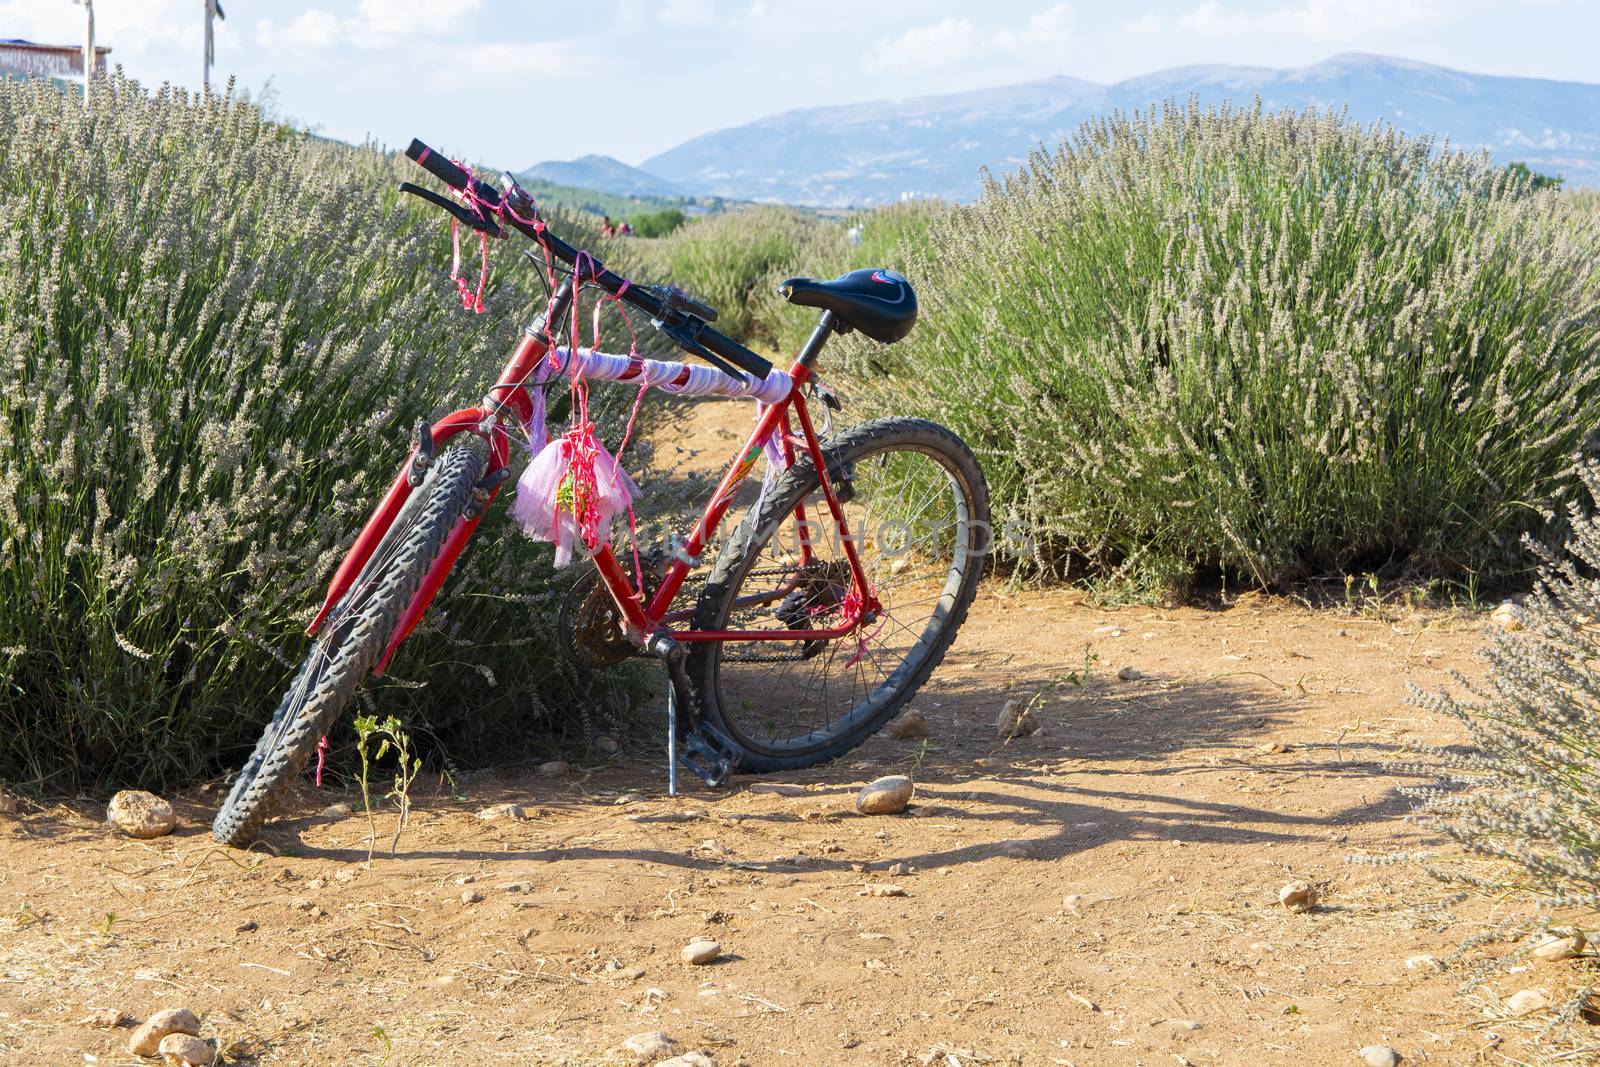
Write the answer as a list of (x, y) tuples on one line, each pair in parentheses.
[(510, 63), (954, 40), (1321, 18), (376, 24), (924, 47), (687, 12)]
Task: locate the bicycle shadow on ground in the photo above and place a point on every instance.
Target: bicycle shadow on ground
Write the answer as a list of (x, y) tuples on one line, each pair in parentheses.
[(1087, 779)]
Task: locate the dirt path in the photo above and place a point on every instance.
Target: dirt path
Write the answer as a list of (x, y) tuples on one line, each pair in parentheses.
[(1103, 892)]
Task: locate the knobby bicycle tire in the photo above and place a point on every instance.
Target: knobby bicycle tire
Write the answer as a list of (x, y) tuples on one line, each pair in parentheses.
[(739, 555), (351, 641)]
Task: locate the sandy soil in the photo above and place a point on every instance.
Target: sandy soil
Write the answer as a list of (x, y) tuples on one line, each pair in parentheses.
[(1103, 892)]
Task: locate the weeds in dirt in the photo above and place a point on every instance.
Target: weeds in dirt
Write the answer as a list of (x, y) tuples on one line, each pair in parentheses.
[(391, 736)]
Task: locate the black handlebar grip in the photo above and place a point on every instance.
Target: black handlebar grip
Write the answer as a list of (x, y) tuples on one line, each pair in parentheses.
[(436, 165)]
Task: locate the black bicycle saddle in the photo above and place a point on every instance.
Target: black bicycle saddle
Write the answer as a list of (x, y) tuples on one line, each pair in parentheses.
[(878, 302)]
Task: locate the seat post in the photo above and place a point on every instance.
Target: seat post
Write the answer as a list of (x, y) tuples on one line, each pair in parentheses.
[(819, 337)]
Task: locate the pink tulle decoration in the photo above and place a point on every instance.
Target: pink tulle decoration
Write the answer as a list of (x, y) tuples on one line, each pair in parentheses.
[(571, 492)]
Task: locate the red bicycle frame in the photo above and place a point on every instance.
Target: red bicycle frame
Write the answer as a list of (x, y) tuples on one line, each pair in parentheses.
[(510, 399)]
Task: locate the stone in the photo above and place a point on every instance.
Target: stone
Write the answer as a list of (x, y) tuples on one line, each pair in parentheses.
[(1379, 1056), (689, 1059), (1073, 902), (512, 812), (1271, 748), (471, 896), (556, 768), (146, 1038), (778, 789), (1015, 720), (885, 796), (1423, 962), (515, 887), (341, 810), (882, 891), (186, 1050), (1017, 849), (8, 804), (908, 726), (110, 1018), (649, 1046), (1505, 616), (302, 904), (140, 814), (1557, 945), (700, 952), (606, 745), (1130, 674), (1299, 896), (1525, 1001), (249, 926), (630, 798)]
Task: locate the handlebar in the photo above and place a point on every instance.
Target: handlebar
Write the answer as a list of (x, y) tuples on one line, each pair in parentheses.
[(671, 311)]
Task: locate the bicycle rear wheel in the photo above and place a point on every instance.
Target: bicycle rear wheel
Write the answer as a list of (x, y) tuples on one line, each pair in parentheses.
[(351, 639), (917, 510)]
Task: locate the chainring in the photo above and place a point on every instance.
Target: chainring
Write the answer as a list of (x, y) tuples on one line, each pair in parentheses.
[(590, 627)]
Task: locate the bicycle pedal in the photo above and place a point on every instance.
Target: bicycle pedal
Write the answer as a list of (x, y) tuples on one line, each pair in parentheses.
[(709, 755)]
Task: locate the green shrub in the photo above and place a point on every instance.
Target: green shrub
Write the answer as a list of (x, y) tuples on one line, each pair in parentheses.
[(215, 337), (658, 223), (1277, 345)]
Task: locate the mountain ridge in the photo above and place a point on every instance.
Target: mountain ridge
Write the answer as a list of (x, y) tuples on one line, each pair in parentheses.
[(874, 152)]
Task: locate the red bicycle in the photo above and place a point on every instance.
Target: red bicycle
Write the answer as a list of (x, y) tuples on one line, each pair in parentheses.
[(823, 612)]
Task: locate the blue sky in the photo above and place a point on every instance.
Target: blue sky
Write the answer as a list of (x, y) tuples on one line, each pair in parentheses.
[(515, 82)]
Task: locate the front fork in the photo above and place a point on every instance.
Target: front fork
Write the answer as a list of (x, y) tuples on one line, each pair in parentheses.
[(429, 442)]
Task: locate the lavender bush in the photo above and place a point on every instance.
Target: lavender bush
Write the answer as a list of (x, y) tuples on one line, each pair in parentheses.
[(215, 336), (1270, 344), (1528, 792)]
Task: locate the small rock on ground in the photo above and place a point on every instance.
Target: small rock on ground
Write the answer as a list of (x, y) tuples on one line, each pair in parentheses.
[(147, 1037), (110, 1018), (1130, 674), (1525, 1001), (186, 1050), (1379, 1056), (689, 1059), (606, 745), (700, 953), (140, 814), (471, 896), (8, 804), (556, 768), (1560, 945), (502, 811), (1299, 896), (649, 1046), (341, 810), (882, 891), (909, 726), (1018, 849), (1505, 616), (1014, 721), (778, 789), (1423, 962), (885, 796)]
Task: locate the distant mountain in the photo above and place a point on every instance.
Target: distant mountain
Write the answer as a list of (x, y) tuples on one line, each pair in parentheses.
[(864, 154), (606, 175)]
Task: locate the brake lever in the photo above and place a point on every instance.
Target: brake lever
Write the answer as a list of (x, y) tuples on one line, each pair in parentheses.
[(684, 334)]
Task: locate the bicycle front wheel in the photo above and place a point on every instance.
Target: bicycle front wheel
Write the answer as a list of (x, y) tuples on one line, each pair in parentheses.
[(350, 641), (917, 512)]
